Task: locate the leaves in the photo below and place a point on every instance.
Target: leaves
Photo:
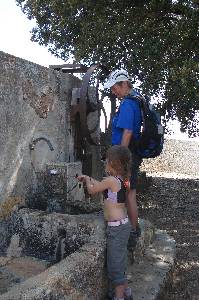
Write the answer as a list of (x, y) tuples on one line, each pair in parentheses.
[(157, 41)]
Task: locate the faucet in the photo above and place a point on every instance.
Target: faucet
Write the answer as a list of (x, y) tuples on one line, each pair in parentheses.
[(34, 142)]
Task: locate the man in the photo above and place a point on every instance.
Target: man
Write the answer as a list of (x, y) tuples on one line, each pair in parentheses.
[(126, 128)]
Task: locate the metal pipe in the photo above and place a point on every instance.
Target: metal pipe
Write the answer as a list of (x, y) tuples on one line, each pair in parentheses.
[(34, 142)]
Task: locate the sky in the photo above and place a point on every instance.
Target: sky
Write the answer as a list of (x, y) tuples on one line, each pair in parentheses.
[(15, 39), (15, 36)]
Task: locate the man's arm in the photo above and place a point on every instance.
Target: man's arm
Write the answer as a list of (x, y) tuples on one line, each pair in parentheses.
[(132, 208), (131, 198), (126, 137)]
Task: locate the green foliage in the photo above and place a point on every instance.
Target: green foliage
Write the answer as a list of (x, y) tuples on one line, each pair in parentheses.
[(156, 40)]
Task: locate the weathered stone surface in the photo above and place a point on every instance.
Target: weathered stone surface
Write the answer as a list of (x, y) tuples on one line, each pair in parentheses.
[(47, 236), (78, 276), (15, 270), (148, 275), (81, 275), (14, 249), (19, 121), (35, 103), (4, 260), (146, 238), (61, 179)]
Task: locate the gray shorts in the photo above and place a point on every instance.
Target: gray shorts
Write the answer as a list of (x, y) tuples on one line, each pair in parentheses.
[(117, 239)]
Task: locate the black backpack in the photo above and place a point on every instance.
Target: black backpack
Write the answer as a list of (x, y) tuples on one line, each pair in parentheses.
[(151, 142)]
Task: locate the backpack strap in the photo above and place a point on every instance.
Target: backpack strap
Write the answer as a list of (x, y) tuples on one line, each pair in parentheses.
[(142, 104)]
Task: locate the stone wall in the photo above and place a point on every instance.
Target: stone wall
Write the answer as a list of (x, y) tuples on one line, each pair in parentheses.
[(35, 126), (178, 157)]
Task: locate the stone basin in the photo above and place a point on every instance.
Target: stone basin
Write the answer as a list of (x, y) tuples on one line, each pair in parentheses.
[(62, 257), (38, 247)]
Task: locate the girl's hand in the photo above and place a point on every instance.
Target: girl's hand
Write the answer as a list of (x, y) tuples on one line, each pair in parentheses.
[(81, 178)]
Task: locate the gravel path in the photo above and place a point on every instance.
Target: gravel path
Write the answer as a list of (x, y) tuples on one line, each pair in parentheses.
[(171, 204)]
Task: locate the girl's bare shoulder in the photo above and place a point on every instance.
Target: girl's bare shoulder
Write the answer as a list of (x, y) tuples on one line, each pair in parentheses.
[(112, 183)]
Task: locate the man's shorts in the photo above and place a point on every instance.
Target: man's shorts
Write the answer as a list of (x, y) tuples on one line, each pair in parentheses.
[(136, 162)]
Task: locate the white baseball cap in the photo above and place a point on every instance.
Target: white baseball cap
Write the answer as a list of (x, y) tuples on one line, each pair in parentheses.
[(116, 76)]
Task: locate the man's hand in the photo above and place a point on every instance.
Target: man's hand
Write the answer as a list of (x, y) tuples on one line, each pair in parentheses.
[(133, 238)]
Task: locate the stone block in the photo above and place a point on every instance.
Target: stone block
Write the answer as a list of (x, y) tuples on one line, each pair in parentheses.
[(61, 180)]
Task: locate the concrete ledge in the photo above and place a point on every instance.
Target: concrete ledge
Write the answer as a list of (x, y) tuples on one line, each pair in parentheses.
[(78, 276), (146, 238), (149, 274)]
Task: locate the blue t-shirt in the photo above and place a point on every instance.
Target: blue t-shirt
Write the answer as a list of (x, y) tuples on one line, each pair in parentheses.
[(127, 117)]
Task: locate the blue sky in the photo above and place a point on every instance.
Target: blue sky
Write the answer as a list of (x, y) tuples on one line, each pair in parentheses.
[(15, 39)]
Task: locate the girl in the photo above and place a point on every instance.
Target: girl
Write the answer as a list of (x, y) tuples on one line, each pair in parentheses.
[(115, 188)]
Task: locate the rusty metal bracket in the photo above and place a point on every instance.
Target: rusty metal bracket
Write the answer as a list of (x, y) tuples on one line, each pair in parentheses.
[(85, 106)]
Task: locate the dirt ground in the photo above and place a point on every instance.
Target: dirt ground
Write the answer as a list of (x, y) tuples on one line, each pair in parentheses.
[(171, 204)]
